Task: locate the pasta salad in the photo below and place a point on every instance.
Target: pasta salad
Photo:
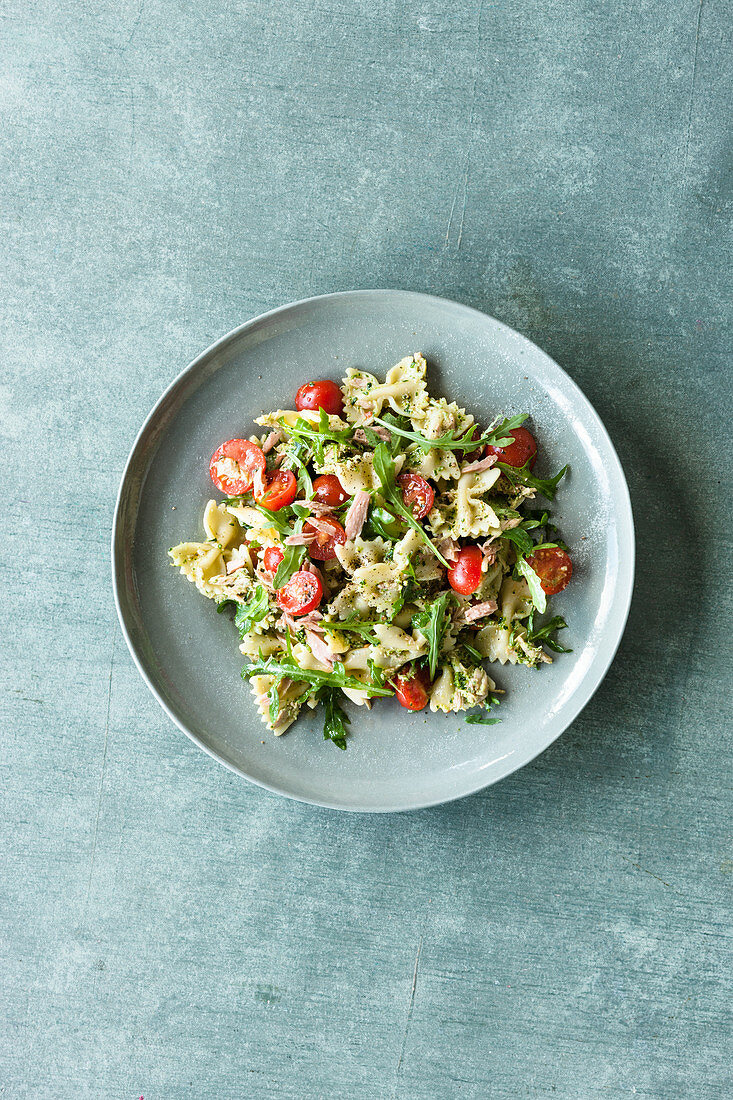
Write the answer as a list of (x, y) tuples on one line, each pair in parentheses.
[(375, 541)]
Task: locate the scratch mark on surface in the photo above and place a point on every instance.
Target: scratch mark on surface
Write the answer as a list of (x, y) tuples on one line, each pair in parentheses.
[(135, 25), (409, 1016), (104, 765), (469, 147), (692, 84), (651, 873)]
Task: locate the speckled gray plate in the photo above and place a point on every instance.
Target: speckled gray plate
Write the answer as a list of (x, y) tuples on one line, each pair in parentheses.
[(188, 654)]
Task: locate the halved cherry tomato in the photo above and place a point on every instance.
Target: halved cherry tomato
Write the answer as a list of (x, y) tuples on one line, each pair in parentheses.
[(302, 593), (464, 574), (417, 494), (518, 453), (554, 568), (410, 687), (328, 490), (233, 466), (271, 558), (323, 547), (320, 395), (280, 489)]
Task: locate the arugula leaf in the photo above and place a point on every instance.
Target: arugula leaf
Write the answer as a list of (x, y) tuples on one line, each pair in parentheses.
[(274, 698), (432, 624), (473, 652), (352, 624), (223, 604), (477, 720), (542, 633), (385, 469), (335, 720), (533, 582), (280, 520), (291, 563), (520, 538), (303, 430), (384, 524), (546, 486), (251, 612), (287, 666), (497, 437)]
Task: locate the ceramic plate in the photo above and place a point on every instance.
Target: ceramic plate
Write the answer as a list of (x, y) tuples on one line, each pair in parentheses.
[(188, 654)]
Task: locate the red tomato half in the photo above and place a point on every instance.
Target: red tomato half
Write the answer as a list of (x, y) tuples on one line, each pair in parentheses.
[(328, 490), (417, 494), (410, 686), (464, 575), (233, 466), (280, 489), (271, 558), (518, 453), (554, 568), (301, 594), (323, 547), (320, 395)]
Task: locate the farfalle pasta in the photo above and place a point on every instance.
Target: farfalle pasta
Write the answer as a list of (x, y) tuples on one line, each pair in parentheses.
[(376, 542)]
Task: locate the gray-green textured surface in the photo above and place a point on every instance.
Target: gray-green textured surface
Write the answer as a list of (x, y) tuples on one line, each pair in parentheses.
[(169, 169)]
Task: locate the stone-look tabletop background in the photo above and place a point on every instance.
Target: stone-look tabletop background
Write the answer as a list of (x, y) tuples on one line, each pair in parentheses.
[(170, 169)]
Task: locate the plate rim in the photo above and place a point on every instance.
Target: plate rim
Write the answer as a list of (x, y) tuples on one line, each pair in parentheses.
[(626, 517)]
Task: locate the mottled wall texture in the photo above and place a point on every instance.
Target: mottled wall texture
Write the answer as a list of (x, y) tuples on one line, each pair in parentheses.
[(170, 169)]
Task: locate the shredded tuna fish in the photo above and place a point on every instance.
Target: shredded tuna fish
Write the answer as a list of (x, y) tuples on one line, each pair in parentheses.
[(316, 507), (320, 525), (238, 560), (258, 485), (509, 524), (481, 464), (272, 439), (479, 610), (303, 539), (489, 553), (356, 514), (319, 649), (449, 548), (264, 578)]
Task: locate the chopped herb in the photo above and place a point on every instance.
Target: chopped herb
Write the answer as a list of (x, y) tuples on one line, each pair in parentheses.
[(385, 469), (432, 624), (477, 720)]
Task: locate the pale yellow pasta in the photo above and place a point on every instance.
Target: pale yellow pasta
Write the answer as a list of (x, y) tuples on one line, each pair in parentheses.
[(220, 525), (462, 511), (403, 391)]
